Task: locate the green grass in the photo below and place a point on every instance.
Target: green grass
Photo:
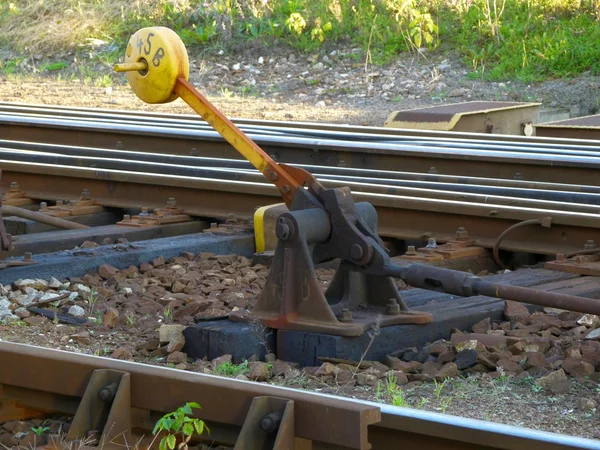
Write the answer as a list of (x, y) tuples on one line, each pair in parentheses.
[(528, 40)]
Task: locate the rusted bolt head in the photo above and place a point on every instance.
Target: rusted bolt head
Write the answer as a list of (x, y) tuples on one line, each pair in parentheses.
[(356, 251), (392, 308), (578, 260), (461, 234), (14, 186), (85, 194), (27, 256), (270, 422), (560, 257), (126, 217), (171, 202), (59, 203), (345, 315), (411, 250), (285, 189), (273, 175), (590, 244)]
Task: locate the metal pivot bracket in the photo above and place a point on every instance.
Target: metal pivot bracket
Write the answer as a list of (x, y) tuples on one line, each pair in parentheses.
[(104, 413), (269, 425), (355, 301)]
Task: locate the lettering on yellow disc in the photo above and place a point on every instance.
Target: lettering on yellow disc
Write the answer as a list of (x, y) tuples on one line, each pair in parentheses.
[(165, 59)]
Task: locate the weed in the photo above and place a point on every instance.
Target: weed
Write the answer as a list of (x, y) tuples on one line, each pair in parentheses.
[(439, 387), (40, 430), (93, 298), (232, 370), (444, 403), (179, 422), (130, 318), (167, 313)]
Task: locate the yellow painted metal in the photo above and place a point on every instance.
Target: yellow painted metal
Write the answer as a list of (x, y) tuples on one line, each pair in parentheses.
[(157, 70), (131, 67), (164, 60)]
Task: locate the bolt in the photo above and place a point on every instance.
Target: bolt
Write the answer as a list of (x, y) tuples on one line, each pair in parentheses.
[(392, 308), (144, 212), (126, 217), (43, 206), (518, 176), (59, 203), (342, 163), (213, 226), (27, 256), (579, 260), (284, 229), (356, 251), (493, 212), (73, 202), (14, 187), (411, 250), (171, 202), (270, 422), (85, 195), (273, 176), (119, 145), (285, 189), (345, 315), (431, 243), (461, 234), (433, 170), (589, 245), (560, 257)]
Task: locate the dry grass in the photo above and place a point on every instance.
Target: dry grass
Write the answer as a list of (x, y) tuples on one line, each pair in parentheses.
[(49, 26)]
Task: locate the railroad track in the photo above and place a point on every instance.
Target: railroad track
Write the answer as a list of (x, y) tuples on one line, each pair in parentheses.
[(424, 186)]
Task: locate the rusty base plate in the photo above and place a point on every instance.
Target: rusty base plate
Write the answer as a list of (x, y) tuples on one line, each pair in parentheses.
[(362, 321)]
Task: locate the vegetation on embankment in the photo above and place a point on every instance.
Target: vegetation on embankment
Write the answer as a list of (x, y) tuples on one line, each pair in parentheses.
[(498, 39)]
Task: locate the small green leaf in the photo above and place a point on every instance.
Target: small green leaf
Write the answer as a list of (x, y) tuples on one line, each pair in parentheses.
[(188, 429), (199, 425), (163, 444), (171, 441), (186, 409), (194, 405), (177, 424)]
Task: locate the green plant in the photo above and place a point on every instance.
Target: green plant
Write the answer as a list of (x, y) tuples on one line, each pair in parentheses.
[(232, 370), (39, 430), (439, 386), (444, 403), (167, 313), (52, 67), (179, 422), (130, 318), (92, 299)]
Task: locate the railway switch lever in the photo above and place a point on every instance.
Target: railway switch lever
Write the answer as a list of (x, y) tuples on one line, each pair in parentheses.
[(322, 225)]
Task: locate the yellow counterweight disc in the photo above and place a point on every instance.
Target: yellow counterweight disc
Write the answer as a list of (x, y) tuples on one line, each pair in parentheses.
[(155, 58)]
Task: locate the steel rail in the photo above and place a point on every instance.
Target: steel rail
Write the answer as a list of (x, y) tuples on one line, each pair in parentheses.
[(55, 381), (400, 216), (170, 118), (356, 137), (356, 183), (555, 168)]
